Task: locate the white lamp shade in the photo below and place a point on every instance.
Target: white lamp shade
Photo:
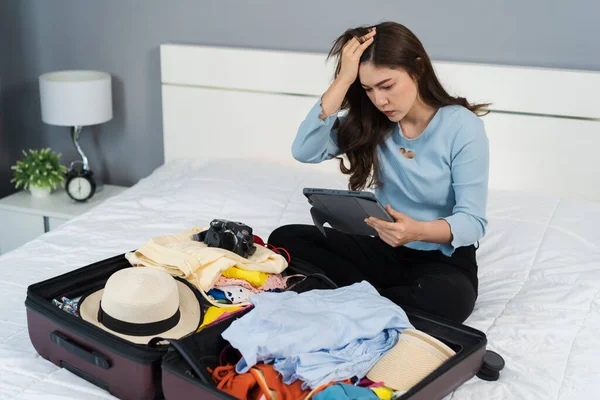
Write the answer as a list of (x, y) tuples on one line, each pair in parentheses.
[(76, 98)]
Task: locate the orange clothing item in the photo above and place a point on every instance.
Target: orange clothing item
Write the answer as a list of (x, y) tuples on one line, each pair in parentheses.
[(261, 380)]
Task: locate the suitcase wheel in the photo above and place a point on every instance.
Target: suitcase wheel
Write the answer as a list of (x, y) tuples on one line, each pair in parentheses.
[(491, 366)]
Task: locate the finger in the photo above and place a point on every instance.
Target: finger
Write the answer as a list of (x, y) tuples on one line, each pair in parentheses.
[(383, 224), (352, 45), (374, 222), (373, 219), (381, 233), (369, 35), (348, 43), (398, 216), (370, 221), (385, 235), (366, 44), (366, 40), (388, 239)]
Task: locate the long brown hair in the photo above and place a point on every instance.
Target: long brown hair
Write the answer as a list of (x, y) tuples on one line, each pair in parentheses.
[(364, 126)]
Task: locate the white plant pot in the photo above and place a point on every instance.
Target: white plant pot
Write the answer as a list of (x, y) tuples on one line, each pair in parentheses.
[(39, 191)]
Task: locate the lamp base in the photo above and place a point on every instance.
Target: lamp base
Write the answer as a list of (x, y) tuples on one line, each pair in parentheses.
[(80, 184), (75, 132)]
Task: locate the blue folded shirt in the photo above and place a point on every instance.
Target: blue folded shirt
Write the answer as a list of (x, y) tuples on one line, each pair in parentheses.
[(343, 391), (318, 336)]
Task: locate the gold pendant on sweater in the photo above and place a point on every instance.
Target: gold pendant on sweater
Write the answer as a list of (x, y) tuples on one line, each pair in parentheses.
[(407, 153)]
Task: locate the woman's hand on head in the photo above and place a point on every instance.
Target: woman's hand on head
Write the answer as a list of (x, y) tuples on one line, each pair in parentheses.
[(398, 233), (351, 53)]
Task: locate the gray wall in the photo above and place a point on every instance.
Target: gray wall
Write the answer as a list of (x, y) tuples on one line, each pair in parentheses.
[(122, 37)]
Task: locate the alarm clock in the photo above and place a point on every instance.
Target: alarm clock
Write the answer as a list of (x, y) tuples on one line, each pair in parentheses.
[(80, 184)]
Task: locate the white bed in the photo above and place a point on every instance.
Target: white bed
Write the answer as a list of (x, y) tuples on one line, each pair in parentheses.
[(539, 263)]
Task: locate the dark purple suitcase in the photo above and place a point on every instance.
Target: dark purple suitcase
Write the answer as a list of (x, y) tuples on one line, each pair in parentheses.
[(184, 372), (124, 369)]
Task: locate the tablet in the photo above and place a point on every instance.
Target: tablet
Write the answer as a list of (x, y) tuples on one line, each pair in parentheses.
[(345, 210)]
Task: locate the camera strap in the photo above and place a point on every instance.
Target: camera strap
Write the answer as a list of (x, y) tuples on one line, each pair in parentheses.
[(199, 237)]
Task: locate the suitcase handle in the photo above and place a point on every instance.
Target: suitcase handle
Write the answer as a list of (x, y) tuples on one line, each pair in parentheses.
[(72, 347)]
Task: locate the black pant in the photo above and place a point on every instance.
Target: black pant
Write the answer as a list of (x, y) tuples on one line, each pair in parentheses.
[(425, 280)]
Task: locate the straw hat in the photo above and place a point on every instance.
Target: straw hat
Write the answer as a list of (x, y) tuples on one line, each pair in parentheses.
[(415, 356), (138, 304)]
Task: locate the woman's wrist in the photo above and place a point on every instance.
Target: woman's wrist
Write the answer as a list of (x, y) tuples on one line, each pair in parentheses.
[(437, 231), (332, 99), (345, 83)]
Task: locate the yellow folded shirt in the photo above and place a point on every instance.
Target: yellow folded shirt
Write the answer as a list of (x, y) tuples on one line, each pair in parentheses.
[(383, 392), (199, 264), (214, 312), (255, 278)]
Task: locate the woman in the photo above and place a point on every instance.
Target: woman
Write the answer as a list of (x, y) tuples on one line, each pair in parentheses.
[(426, 155)]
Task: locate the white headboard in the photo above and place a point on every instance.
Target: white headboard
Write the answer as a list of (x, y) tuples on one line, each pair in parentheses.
[(544, 129)]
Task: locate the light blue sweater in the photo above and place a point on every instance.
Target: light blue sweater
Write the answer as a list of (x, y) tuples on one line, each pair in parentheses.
[(318, 336), (446, 179)]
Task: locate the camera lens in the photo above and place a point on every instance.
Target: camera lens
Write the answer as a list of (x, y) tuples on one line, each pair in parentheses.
[(229, 240)]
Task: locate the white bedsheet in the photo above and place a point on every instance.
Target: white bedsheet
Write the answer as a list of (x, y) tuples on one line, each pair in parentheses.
[(539, 273)]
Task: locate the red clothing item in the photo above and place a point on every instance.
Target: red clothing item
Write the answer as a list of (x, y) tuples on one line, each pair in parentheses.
[(262, 379), (258, 240)]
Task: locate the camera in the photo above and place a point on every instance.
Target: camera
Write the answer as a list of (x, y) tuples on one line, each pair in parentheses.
[(236, 237)]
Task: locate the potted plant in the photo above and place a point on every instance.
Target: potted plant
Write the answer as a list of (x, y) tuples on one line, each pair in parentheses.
[(39, 171)]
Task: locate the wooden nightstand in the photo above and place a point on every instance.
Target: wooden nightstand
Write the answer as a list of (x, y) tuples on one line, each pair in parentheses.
[(23, 217)]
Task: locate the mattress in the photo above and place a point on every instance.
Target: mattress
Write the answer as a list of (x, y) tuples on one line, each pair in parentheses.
[(539, 272)]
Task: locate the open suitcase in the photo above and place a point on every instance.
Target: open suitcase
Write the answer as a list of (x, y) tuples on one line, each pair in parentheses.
[(133, 371)]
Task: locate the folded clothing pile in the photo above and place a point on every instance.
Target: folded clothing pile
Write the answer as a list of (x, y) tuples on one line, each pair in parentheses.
[(325, 340), (213, 268)]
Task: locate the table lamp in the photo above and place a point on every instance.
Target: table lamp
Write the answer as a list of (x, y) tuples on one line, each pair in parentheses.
[(76, 99)]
